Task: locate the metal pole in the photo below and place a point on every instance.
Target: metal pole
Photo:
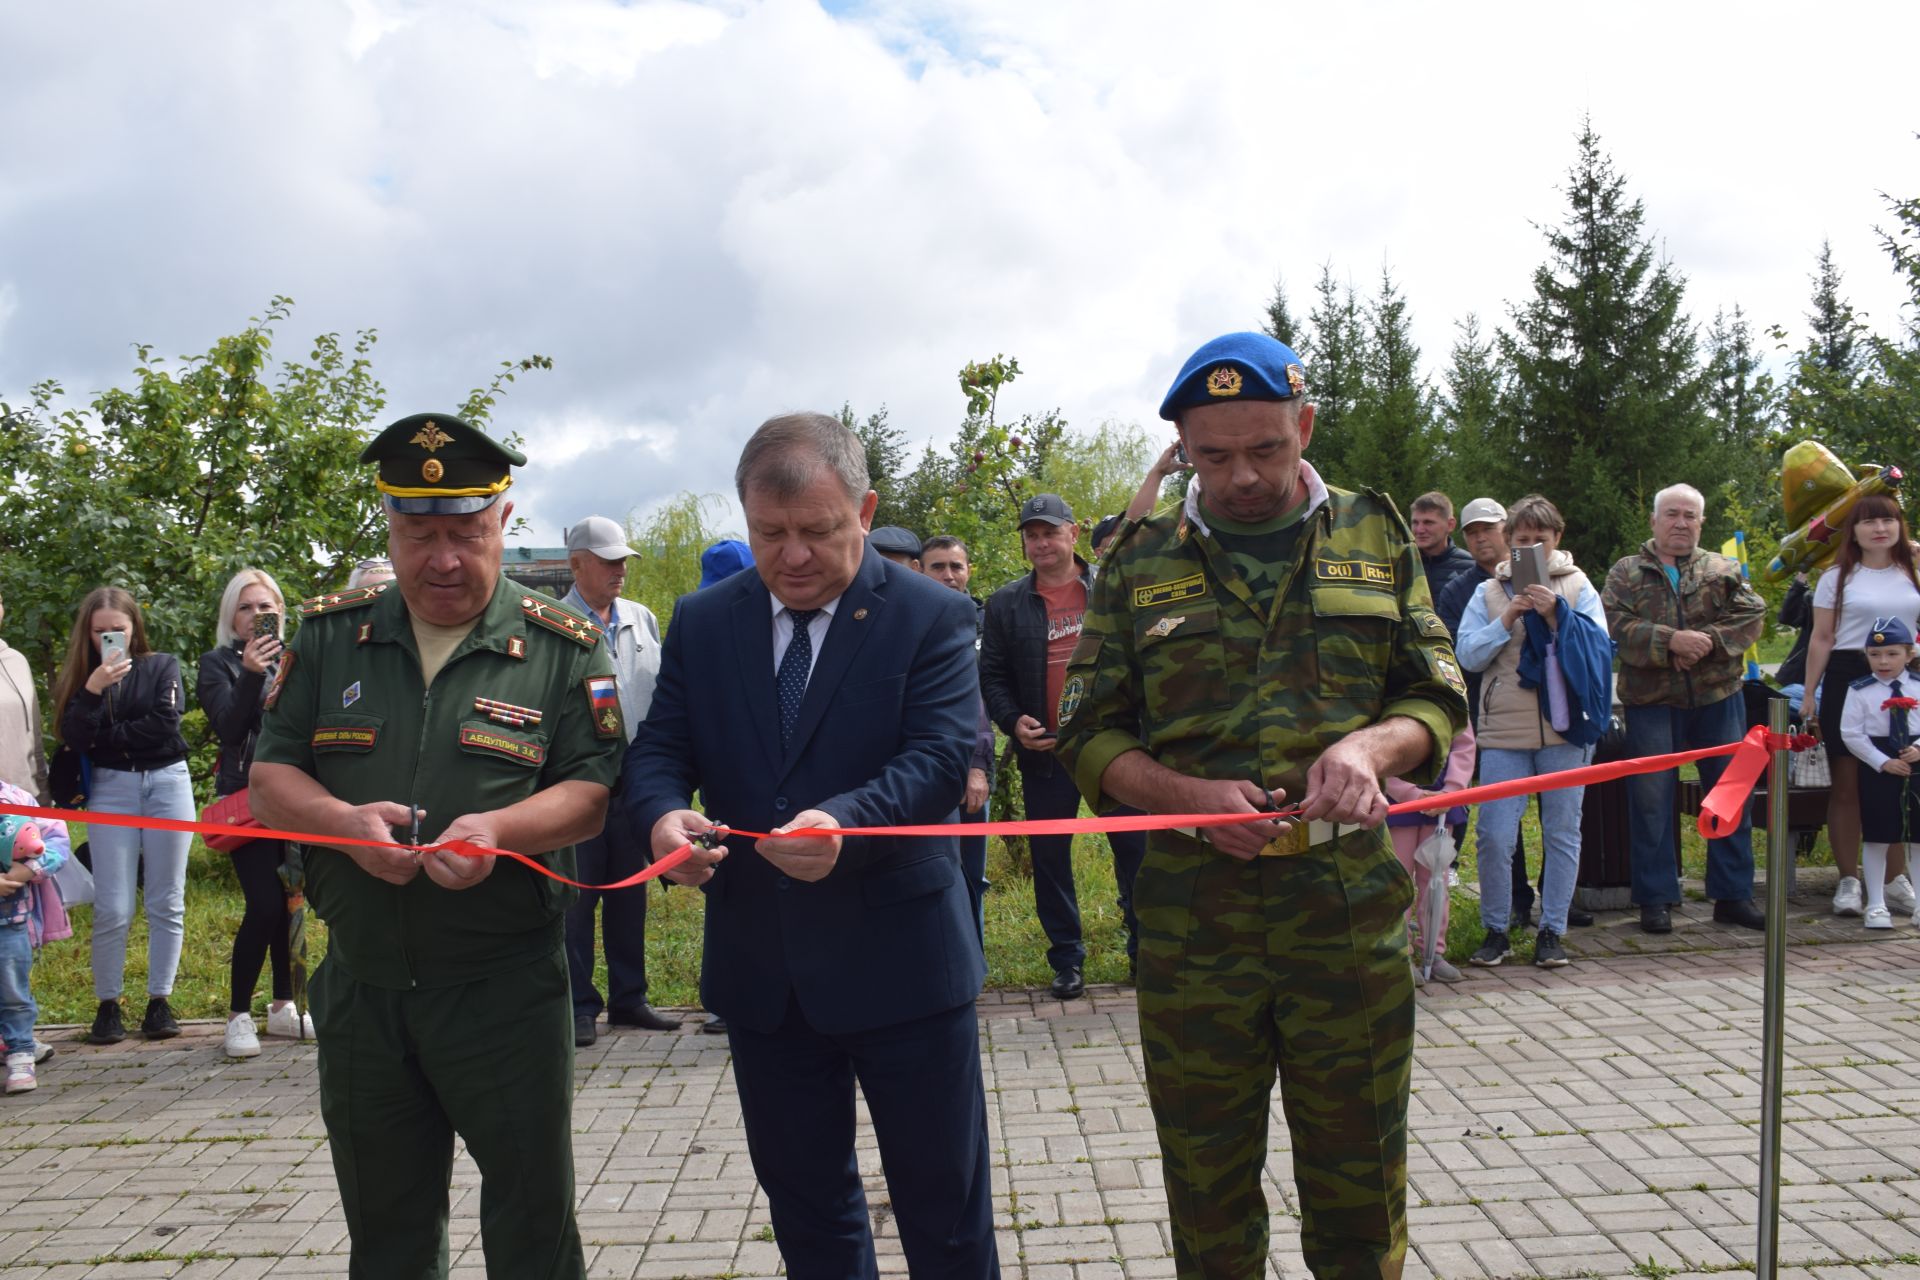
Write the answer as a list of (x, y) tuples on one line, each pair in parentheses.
[(1774, 994)]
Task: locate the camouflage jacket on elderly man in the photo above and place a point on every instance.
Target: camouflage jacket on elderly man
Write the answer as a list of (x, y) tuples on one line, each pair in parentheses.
[(1644, 608)]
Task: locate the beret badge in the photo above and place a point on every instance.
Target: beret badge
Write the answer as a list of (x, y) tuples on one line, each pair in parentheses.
[(1224, 381), (1296, 379)]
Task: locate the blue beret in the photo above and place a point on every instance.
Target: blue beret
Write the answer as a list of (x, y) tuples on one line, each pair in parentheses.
[(1887, 631), (1238, 366)]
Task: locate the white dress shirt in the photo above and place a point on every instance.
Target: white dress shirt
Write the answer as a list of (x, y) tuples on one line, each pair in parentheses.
[(1863, 719), (816, 631)]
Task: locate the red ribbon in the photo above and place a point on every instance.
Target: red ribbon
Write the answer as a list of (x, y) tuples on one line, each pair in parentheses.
[(1720, 811)]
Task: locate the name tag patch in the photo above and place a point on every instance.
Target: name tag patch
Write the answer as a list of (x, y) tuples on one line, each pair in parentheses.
[(344, 738), (1188, 588), (500, 743), (1370, 572)]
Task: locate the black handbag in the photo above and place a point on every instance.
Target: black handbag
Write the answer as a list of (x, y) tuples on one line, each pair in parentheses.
[(68, 777)]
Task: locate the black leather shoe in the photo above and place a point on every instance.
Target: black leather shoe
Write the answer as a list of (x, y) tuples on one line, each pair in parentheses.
[(715, 1025), (1068, 984), (1740, 911), (1579, 919), (1656, 917), (584, 1032), (644, 1016), (159, 1024), (108, 1028)]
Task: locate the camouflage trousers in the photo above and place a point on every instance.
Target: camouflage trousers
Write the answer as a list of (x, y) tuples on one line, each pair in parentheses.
[(1289, 965)]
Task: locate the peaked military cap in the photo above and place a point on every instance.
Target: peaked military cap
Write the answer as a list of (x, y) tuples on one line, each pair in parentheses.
[(433, 464), (1236, 366)]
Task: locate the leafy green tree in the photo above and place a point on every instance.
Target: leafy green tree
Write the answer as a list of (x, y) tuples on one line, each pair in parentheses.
[(1099, 472), (670, 542), (1390, 441), (200, 467), (1896, 407), (1603, 404), (1279, 323)]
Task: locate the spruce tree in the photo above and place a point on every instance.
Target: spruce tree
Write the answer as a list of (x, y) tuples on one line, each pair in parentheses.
[(1388, 435), (1603, 407), (1474, 464), (1829, 396), (1336, 373), (1279, 323), (1741, 403)]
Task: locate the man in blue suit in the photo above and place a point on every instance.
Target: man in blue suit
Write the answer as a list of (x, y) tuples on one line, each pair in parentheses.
[(829, 689)]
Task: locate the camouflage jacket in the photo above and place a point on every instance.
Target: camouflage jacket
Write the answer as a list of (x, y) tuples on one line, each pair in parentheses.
[(1644, 610), (1176, 658)]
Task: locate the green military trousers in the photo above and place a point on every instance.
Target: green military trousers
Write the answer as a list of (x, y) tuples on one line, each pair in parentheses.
[(401, 1072), (1295, 965)]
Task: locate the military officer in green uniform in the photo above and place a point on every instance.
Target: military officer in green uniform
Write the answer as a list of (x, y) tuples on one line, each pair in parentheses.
[(449, 704), (1270, 641)]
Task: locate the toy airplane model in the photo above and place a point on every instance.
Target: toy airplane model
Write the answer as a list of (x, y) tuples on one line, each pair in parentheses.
[(1820, 493)]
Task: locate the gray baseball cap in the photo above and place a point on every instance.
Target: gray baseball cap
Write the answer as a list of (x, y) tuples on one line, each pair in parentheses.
[(601, 536)]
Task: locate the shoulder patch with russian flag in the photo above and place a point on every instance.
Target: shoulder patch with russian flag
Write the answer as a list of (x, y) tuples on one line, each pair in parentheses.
[(603, 704)]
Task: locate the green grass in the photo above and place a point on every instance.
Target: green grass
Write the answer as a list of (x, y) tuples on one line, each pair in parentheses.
[(1016, 947)]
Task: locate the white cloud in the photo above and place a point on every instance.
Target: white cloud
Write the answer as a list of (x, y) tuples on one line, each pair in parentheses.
[(711, 213)]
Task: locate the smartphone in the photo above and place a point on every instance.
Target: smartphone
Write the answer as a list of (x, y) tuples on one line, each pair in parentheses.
[(266, 624), (113, 647), (1529, 567), (1180, 453)]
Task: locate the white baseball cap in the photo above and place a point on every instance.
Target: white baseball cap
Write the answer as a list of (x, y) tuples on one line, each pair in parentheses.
[(602, 537)]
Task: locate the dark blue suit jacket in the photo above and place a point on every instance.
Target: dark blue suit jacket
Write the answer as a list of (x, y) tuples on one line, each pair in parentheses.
[(883, 739)]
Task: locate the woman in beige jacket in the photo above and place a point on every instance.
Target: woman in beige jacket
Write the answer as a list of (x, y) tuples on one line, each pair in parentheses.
[(1516, 738)]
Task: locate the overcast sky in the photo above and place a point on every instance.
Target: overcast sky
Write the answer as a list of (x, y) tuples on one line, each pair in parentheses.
[(710, 213)]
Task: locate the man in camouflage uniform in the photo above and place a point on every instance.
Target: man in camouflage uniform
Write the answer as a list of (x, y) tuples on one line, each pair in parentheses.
[(1273, 635), (449, 704)]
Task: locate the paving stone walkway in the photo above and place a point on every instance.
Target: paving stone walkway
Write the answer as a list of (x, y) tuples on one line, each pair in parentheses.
[(1599, 1120)]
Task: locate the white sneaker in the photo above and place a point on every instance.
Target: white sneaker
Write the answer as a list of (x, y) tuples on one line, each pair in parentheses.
[(1453, 878), (20, 1073), (41, 1051), (1900, 895), (1847, 897), (242, 1040), (1879, 918), (285, 1022)]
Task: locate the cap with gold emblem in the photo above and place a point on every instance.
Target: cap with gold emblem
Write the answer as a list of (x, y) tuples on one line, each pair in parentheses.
[(433, 464), (1236, 366)]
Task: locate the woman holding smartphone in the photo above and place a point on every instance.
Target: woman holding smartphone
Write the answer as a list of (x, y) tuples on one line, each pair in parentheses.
[(118, 703), (233, 683)]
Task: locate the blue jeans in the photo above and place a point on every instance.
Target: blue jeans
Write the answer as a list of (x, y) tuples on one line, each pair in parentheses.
[(1559, 834), (166, 792), (17, 1009), (1653, 731)]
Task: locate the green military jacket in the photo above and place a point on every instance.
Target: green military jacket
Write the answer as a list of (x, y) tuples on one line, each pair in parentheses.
[(1644, 609), (1176, 657), (527, 700)]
